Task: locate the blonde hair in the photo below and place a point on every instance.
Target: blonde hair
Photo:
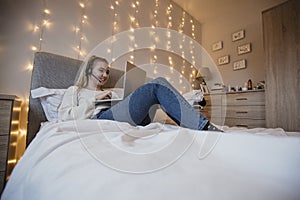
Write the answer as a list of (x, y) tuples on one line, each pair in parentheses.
[(86, 69)]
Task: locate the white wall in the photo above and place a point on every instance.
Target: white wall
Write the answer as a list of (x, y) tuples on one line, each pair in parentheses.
[(16, 18)]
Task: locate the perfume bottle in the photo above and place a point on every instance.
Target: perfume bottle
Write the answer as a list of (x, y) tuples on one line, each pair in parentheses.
[(249, 84)]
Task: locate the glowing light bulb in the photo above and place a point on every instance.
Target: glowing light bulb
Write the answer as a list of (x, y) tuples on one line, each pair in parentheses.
[(132, 18), (23, 132), (29, 67), (33, 48), (45, 22), (152, 48), (47, 11), (36, 28), (81, 5), (77, 29)]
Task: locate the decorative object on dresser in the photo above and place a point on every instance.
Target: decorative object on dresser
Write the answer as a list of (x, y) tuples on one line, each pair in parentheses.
[(241, 109), (10, 108), (203, 75), (281, 26)]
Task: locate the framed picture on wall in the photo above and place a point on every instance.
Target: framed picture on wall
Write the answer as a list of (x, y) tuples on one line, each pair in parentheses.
[(240, 64), (244, 48), (217, 46), (223, 60), (238, 35)]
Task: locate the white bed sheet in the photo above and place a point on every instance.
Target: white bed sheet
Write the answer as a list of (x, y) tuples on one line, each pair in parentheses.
[(89, 160)]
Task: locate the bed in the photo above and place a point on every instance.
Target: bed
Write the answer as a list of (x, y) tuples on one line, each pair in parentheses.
[(93, 159)]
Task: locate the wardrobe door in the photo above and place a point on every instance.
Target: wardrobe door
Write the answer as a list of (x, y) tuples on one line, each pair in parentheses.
[(281, 30)]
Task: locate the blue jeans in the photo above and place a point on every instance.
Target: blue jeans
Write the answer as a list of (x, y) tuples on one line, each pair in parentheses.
[(135, 108)]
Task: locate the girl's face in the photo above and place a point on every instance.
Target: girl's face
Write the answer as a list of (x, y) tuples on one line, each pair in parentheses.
[(100, 73)]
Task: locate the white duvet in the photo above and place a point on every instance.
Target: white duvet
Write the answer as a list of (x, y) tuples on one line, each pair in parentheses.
[(92, 159)]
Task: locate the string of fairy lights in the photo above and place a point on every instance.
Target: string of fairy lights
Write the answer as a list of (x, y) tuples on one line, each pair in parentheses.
[(158, 16), (40, 29), (155, 13), (44, 23), (133, 24), (80, 29)]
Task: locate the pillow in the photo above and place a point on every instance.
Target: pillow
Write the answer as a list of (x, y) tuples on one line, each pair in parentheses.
[(194, 96), (50, 100)]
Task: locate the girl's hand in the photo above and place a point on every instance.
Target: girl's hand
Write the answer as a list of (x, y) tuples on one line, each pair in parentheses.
[(104, 95)]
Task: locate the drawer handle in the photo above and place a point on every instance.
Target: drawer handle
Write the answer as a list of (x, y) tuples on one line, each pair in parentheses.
[(242, 99), (241, 112), (242, 125)]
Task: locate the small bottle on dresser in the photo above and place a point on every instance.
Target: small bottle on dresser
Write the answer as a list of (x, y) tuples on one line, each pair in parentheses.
[(249, 84)]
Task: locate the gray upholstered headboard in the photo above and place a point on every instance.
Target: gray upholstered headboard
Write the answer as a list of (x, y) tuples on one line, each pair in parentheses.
[(54, 71)]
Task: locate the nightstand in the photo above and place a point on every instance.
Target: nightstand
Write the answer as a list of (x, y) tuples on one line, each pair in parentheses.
[(10, 108), (240, 109)]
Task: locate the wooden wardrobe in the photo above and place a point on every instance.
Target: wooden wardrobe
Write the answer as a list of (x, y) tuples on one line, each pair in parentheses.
[(281, 32)]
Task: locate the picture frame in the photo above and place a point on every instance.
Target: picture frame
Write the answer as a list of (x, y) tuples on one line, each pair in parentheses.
[(239, 64), (244, 48), (223, 60), (238, 35), (217, 46)]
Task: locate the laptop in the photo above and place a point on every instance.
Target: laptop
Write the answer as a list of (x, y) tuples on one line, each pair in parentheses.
[(133, 78)]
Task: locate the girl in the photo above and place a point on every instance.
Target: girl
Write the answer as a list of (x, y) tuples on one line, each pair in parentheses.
[(78, 101)]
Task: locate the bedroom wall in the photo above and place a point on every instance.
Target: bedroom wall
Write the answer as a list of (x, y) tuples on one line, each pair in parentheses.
[(18, 17), (20, 38), (239, 15)]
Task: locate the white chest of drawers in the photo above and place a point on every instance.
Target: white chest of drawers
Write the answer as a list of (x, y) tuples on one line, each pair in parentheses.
[(241, 109)]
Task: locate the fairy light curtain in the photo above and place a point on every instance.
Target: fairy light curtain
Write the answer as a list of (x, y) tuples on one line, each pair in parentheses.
[(161, 13)]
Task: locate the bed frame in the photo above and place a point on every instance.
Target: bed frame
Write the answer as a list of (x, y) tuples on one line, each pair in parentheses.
[(54, 71)]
